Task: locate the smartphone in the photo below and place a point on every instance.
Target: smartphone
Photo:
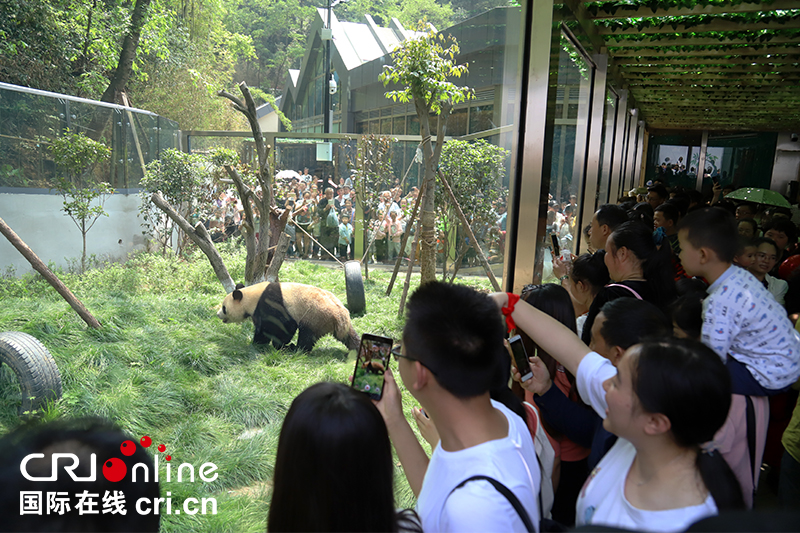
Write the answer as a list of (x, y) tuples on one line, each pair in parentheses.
[(556, 248), (520, 357), (372, 361)]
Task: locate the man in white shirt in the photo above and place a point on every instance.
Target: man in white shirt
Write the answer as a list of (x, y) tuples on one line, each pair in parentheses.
[(452, 355)]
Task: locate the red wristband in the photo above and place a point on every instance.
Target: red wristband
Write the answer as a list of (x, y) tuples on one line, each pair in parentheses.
[(509, 308)]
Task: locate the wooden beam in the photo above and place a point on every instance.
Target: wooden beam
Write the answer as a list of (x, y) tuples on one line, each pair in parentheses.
[(732, 75), (626, 63), (578, 9), (720, 101), (706, 70), (696, 41), (715, 25), (786, 92), (634, 11), (754, 50)]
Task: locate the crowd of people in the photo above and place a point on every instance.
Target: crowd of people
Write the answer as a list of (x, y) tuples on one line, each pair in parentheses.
[(655, 358), (323, 216), (654, 361)]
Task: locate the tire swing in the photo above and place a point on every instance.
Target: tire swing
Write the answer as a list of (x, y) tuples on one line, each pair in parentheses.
[(354, 286), (34, 367)]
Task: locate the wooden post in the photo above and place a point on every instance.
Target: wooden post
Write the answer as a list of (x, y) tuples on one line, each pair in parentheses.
[(51, 278), (471, 235), (403, 244)]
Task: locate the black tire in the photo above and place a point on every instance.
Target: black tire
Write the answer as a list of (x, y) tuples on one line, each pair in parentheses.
[(35, 368), (354, 286)]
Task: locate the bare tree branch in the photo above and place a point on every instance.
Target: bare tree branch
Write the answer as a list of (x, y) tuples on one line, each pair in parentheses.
[(201, 237), (47, 274)]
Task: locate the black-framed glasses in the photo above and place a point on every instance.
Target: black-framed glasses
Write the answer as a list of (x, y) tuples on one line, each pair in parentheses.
[(397, 351)]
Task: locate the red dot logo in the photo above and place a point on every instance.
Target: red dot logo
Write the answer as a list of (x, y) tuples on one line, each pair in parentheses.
[(162, 448), (128, 448), (146, 441), (169, 458), (114, 470)]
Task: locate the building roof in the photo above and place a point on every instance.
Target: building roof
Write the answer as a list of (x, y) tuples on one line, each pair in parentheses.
[(265, 109)]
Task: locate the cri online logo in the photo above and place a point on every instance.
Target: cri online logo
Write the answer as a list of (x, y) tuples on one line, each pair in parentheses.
[(114, 469)]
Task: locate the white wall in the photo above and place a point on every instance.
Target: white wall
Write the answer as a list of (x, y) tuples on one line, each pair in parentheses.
[(787, 163), (37, 218)]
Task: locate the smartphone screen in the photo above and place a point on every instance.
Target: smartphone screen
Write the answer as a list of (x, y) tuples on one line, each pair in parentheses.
[(520, 357), (556, 247), (372, 361)]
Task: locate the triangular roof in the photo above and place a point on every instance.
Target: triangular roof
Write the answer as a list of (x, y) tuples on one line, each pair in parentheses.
[(354, 43)]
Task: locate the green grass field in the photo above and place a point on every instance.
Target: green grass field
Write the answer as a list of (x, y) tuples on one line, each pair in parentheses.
[(165, 366)]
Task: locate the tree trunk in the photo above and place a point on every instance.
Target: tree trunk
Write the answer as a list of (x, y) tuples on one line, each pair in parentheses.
[(270, 223), (83, 254), (128, 52), (427, 236), (201, 237), (47, 274)]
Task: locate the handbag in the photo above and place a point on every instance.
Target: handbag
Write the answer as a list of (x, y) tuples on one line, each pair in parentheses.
[(333, 219)]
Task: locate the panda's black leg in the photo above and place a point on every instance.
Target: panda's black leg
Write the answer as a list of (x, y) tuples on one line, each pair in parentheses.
[(282, 333), (306, 339)]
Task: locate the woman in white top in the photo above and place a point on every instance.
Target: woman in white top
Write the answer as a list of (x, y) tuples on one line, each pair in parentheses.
[(664, 399)]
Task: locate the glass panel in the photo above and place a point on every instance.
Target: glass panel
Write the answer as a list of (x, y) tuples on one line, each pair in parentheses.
[(28, 119), (386, 126), (572, 94), (607, 148), (741, 160)]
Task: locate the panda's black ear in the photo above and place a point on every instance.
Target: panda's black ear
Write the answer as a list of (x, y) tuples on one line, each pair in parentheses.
[(237, 295), (240, 285)]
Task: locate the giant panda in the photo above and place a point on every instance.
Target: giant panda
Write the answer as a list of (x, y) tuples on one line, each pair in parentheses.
[(279, 309)]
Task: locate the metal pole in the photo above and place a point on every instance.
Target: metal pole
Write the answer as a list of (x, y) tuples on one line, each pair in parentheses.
[(701, 163), (326, 104)]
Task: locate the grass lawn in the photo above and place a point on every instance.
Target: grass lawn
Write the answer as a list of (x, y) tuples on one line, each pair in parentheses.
[(165, 366)]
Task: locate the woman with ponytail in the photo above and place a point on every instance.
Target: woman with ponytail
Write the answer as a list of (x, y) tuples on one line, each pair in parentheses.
[(637, 270), (664, 400)]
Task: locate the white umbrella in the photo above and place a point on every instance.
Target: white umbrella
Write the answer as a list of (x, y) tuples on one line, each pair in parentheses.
[(287, 175)]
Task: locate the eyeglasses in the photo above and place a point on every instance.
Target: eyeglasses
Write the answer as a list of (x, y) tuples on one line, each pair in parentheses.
[(397, 351)]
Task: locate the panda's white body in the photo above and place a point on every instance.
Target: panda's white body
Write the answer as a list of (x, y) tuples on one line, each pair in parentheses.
[(280, 309)]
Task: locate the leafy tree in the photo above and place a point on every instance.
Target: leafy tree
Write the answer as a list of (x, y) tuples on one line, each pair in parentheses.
[(278, 29), (410, 11), (77, 154), (423, 68), (185, 182), (475, 171)]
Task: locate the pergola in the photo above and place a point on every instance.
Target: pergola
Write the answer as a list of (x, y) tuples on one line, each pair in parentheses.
[(721, 65)]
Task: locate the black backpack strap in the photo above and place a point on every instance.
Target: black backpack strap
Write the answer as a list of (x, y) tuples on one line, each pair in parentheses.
[(505, 491), (750, 414)]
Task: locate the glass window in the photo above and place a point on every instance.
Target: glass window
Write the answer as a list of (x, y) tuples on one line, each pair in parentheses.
[(481, 118), (318, 96), (399, 125), (457, 123), (413, 125), (386, 126)]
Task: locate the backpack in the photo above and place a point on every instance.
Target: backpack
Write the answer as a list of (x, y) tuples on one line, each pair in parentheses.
[(546, 456)]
